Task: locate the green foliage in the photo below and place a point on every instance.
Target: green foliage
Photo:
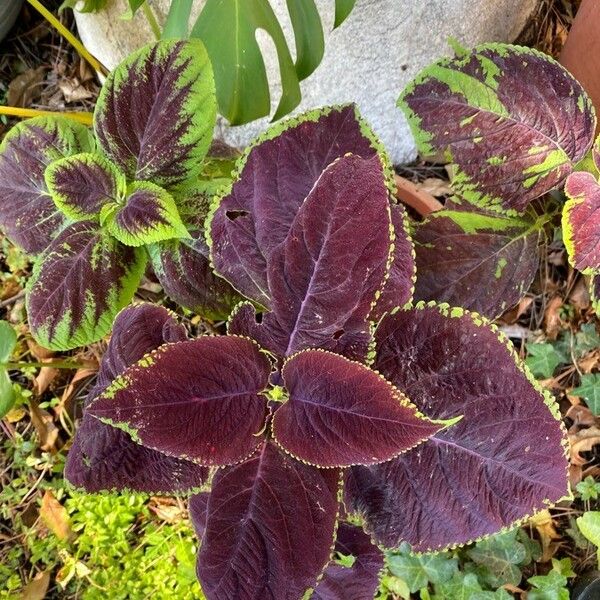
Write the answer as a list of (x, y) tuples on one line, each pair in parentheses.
[(589, 525), (588, 489), (553, 585), (8, 341), (84, 6), (543, 359), (589, 390)]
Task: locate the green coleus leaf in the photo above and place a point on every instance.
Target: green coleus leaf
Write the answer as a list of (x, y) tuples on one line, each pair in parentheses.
[(79, 284), (8, 341), (82, 184), (543, 358), (589, 390), (147, 215), (240, 75)]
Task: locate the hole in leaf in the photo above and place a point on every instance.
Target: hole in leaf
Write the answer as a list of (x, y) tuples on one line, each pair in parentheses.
[(338, 334), (232, 215)]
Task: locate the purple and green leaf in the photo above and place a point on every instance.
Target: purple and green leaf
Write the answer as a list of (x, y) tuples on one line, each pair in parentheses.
[(340, 413), (28, 215), (504, 461), (326, 274), (513, 120), (104, 457), (581, 222), (595, 292), (156, 112), (82, 184), (482, 262), (275, 175), (201, 400), (79, 284), (270, 527), (148, 214)]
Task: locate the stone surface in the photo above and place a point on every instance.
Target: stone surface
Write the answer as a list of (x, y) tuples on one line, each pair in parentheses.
[(368, 60)]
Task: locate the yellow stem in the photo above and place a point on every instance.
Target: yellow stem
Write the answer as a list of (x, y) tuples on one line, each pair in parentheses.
[(81, 50), (25, 113)]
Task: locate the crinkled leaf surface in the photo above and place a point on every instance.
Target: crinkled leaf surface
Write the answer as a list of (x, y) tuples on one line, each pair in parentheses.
[(270, 527), (156, 112), (148, 215), (341, 413), (478, 261), (82, 184), (200, 400), (28, 215), (198, 508), (79, 284), (106, 458), (275, 176), (502, 462), (359, 581), (512, 118), (324, 277), (581, 221)]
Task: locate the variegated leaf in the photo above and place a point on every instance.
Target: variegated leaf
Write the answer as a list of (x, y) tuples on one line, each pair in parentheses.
[(28, 215)]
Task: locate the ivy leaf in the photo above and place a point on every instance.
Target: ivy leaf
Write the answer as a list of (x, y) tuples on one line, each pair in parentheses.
[(479, 261), (511, 141), (589, 525), (467, 587), (358, 577), (418, 570), (276, 174), (79, 284), (589, 390), (325, 275), (502, 462), (543, 358), (586, 339), (147, 215), (341, 413), (581, 222), (270, 527), (104, 457), (548, 587), (82, 184), (156, 112), (28, 215), (222, 403)]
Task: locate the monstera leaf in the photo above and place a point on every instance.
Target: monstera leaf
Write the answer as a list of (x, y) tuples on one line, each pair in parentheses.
[(482, 262), (156, 112), (276, 174), (324, 276), (581, 222), (503, 461), (79, 284), (28, 215), (512, 119), (104, 457)]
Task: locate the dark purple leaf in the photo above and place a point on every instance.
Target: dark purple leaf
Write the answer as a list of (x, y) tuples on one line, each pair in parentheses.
[(200, 400), (482, 262), (82, 184), (512, 118), (359, 581), (581, 222), (276, 175), (399, 286), (340, 413), (156, 112), (505, 459), (270, 528), (325, 275), (79, 284), (28, 215), (198, 508), (104, 457)]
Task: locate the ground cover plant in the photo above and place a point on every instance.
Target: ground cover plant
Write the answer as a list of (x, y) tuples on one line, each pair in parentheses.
[(94, 208)]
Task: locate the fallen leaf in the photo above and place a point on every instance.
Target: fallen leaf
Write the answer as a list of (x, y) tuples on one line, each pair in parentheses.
[(583, 441), (44, 426), (38, 351), (71, 389), (36, 589), (552, 321), (581, 415), (435, 187), (512, 316), (546, 529), (55, 516), (43, 380), (580, 295), (73, 90), (25, 88)]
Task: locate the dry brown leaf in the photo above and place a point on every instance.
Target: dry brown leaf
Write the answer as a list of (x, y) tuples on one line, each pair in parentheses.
[(167, 509), (589, 362), (580, 295), (71, 389), (25, 88), (546, 529), (583, 441), (73, 90), (581, 416), (44, 379), (55, 516), (512, 316), (15, 415), (44, 425), (38, 351), (435, 186), (552, 321), (36, 589)]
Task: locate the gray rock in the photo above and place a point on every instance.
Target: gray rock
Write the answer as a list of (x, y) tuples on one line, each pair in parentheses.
[(368, 60)]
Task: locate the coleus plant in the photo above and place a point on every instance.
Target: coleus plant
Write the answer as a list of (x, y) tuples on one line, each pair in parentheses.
[(94, 208), (515, 125), (332, 400)]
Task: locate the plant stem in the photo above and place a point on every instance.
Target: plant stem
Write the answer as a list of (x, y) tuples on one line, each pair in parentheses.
[(178, 19), (58, 364), (81, 50), (151, 20), (25, 113)]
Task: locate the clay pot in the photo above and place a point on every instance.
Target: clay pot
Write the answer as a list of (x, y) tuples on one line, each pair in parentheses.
[(9, 11), (581, 53)]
